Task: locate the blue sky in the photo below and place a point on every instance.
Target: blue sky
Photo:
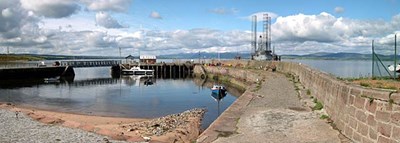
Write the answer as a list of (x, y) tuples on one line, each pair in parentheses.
[(180, 14), (101, 27)]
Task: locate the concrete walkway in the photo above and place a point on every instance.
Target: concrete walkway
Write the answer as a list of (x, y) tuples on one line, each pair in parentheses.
[(276, 114)]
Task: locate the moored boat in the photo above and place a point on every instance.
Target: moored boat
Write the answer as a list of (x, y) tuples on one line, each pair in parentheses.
[(218, 90), (137, 71)]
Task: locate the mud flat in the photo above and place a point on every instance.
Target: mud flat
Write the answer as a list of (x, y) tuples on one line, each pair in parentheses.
[(22, 124)]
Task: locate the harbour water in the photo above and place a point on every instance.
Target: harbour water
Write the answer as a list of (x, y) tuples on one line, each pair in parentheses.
[(346, 68), (94, 91)]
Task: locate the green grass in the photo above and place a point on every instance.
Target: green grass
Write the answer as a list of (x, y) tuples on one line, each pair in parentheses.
[(19, 58), (323, 116), (365, 84), (318, 105)]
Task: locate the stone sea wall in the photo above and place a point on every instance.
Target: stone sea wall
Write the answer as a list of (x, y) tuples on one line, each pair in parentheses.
[(361, 114)]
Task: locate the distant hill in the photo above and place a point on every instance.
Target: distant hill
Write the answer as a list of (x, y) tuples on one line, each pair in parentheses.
[(323, 56), (228, 55), (35, 57), (339, 56)]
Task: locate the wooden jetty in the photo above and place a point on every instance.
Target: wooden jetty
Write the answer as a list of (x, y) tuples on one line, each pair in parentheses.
[(36, 72), (161, 70)]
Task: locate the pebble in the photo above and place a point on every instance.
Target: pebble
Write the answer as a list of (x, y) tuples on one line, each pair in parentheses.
[(24, 129), (163, 125)]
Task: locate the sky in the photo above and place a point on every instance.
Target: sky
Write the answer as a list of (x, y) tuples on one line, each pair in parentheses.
[(160, 27)]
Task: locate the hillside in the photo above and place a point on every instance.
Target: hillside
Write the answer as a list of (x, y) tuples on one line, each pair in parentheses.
[(36, 57)]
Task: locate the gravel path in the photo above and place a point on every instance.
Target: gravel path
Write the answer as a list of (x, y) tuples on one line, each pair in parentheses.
[(23, 129)]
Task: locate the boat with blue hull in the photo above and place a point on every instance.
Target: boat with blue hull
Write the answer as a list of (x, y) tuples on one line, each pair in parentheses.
[(218, 92)]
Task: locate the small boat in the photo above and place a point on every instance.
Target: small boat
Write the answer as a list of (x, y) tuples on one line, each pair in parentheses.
[(218, 96), (391, 68), (218, 90), (137, 71)]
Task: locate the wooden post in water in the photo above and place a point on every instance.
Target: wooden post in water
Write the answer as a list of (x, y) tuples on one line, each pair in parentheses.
[(170, 71), (179, 71), (189, 72)]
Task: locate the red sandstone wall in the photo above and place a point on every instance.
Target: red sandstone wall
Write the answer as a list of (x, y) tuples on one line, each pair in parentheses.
[(362, 114), (241, 74)]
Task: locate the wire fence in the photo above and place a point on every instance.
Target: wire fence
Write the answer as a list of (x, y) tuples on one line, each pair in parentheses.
[(384, 59)]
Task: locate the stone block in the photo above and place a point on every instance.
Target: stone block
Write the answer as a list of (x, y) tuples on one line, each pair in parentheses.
[(340, 125), (362, 129), (348, 131), (395, 118), (356, 91), (351, 99), (353, 123), (396, 133), (351, 110), (359, 102), (395, 97), (345, 118), (383, 106), (371, 120), (371, 107), (383, 139), (385, 129), (361, 116), (382, 95), (396, 107), (357, 137), (367, 140), (373, 134), (382, 116)]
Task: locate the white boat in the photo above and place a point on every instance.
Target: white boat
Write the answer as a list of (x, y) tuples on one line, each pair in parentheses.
[(218, 89), (136, 71), (391, 68)]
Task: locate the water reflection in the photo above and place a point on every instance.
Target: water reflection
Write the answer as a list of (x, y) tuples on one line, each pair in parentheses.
[(218, 97), (94, 91), (135, 80)]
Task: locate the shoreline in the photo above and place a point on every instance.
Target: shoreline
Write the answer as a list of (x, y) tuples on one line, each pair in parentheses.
[(187, 126)]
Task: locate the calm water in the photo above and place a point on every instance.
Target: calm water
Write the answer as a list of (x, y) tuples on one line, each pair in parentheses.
[(93, 91), (346, 68)]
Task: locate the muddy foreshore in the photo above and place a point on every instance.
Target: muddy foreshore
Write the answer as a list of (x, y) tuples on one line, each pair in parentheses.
[(180, 127)]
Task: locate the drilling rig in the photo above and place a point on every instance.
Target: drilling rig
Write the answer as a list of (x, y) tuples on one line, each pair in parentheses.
[(261, 44)]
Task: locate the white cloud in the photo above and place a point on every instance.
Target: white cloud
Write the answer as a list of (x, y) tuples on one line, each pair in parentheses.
[(66, 33), (7, 13), (324, 32), (155, 15), (108, 5), (104, 19), (52, 8), (15, 21), (320, 28), (339, 9)]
